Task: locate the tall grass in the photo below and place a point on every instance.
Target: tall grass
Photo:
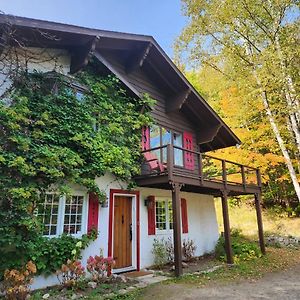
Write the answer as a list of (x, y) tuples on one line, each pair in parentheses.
[(243, 217)]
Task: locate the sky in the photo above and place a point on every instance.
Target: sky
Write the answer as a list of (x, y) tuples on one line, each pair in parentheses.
[(160, 18)]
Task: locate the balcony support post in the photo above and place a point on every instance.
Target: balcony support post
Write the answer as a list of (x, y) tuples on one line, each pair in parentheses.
[(177, 228), (228, 248), (260, 223)]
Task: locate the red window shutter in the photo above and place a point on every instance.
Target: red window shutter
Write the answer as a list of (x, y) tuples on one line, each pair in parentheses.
[(145, 138), (188, 157), (151, 215), (184, 216), (93, 212)]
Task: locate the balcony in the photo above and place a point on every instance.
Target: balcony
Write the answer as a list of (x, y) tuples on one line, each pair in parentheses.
[(206, 174)]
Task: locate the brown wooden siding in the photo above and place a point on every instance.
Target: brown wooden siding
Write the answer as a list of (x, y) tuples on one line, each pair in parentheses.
[(176, 121)]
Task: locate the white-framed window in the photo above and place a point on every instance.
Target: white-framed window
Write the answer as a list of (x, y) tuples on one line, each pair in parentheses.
[(63, 214), (160, 136), (76, 90), (48, 212), (163, 215)]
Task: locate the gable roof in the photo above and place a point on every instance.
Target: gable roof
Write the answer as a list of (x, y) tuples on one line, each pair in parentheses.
[(213, 133)]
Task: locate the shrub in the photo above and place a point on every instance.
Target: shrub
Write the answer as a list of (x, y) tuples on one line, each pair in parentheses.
[(297, 211), (169, 249), (242, 248), (16, 282), (71, 273), (160, 252), (164, 251), (100, 267), (188, 249)]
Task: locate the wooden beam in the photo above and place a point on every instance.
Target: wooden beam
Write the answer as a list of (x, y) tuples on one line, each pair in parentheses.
[(175, 103), (160, 75), (208, 135), (137, 60), (260, 223), (221, 141), (80, 56), (177, 228), (228, 248), (110, 67)]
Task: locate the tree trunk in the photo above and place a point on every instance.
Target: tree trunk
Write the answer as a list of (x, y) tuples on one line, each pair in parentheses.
[(290, 92), (290, 96), (276, 130), (281, 143)]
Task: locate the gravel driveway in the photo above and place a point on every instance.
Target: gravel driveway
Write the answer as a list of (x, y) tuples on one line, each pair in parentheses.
[(279, 285)]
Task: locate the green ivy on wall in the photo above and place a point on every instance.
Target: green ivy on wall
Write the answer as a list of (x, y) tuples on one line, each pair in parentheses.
[(49, 138)]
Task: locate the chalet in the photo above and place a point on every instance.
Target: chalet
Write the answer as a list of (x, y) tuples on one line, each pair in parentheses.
[(175, 190)]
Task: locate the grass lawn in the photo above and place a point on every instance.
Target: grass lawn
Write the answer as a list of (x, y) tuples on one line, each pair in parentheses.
[(276, 259), (243, 217)]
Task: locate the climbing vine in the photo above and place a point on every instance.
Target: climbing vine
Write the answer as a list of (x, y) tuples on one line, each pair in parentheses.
[(51, 136)]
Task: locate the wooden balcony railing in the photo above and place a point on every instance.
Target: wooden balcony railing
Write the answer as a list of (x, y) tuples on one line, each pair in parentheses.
[(162, 161)]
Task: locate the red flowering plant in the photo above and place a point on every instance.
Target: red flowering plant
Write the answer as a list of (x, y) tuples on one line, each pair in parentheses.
[(100, 267), (70, 273)]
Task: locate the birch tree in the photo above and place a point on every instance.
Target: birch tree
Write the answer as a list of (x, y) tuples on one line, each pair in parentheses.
[(220, 34)]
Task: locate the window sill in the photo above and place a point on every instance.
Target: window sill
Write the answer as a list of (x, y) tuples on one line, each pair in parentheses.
[(75, 235), (163, 232)]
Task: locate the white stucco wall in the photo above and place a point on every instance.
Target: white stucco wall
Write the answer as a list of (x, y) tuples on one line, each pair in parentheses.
[(203, 228), (105, 183), (30, 59), (202, 221)]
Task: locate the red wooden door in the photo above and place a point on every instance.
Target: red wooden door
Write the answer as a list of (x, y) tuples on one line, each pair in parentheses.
[(122, 246)]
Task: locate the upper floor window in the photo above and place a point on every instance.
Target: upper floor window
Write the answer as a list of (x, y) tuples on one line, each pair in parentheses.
[(76, 91), (63, 214), (160, 136)]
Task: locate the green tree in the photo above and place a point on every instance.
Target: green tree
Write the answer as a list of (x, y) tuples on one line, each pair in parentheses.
[(254, 44)]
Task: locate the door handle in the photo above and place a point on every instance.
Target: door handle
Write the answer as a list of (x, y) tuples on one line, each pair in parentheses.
[(130, 232)]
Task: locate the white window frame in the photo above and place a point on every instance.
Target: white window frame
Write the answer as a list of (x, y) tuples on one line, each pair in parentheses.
[(168, 230), (162, 153), (61, 214)]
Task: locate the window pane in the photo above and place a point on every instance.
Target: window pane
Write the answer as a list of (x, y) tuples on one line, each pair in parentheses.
[(166, 139), (47, 212), (178, 154), (96, 122), (155, 139), (166, 136), (161, 218), (73, 214), (79, 95)]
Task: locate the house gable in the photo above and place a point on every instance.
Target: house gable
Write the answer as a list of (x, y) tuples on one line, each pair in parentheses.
[(140, 63), (143, 83)]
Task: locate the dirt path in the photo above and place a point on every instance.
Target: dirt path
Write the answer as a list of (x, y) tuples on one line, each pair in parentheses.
[(280, 285)]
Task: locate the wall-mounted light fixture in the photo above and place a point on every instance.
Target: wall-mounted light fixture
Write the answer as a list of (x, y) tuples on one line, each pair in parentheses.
[(149, 202)]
